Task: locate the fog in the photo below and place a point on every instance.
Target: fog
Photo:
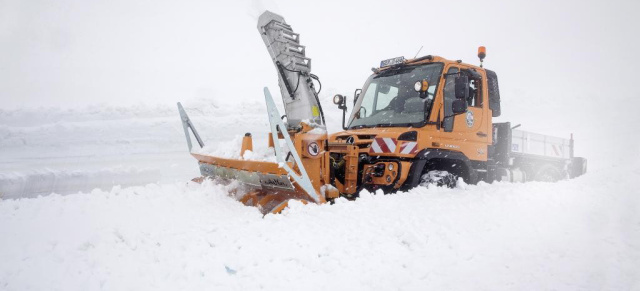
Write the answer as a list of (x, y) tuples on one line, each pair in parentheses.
[(564, 66), (94, 168)]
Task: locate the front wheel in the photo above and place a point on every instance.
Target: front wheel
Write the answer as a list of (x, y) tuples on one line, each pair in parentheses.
[(439, 178)]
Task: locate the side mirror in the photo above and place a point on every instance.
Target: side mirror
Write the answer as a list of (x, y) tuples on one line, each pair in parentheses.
[(459, 106), (421, 87), (362, 112), (462, 87)]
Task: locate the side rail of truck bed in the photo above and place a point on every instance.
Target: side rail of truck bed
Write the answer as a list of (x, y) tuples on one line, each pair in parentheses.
[(520, 156), (529, 143)]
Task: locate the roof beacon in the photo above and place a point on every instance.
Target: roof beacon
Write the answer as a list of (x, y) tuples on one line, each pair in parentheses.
[(482, 52)]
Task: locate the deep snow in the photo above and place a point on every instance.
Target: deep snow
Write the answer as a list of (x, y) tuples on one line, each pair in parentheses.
[(159, 231), (573, 235)]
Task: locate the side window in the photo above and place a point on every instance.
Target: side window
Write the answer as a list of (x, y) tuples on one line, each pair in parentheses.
[(475, 94), (449, 97), (474, 98)]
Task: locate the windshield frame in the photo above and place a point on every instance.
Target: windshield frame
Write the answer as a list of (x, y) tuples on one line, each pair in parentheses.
[(427, 110)]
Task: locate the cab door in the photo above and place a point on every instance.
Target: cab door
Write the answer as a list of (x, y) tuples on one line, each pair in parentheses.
[(467, 132)]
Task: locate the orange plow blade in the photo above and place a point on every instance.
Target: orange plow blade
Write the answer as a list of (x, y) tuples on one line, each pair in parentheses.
[(264, 184), (269, 185)]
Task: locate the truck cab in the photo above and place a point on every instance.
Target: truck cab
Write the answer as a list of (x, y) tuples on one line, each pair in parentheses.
[(418, 116)]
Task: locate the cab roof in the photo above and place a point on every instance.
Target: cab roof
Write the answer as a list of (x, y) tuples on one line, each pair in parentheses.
[(424, 60)]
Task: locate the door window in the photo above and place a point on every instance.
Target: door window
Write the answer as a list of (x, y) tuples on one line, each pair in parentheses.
[(449, 97)]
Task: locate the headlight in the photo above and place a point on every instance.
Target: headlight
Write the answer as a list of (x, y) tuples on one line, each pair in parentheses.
[(417, 86), (421, 86), (391, 167), (338, 99)]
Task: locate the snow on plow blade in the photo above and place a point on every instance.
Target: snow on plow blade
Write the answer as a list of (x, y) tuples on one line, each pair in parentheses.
[(266, 185)]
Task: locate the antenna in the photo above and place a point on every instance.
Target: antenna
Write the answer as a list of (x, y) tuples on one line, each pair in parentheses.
[(418, 52)]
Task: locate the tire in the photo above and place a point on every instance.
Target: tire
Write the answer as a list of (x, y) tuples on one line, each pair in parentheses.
[(439, 178), (547, 173)]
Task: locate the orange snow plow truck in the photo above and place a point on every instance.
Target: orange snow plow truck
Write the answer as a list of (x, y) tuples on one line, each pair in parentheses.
[(422, 120)]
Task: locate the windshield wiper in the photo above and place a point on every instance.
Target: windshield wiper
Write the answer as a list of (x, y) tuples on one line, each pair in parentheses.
[(382, 125), (394, 71)]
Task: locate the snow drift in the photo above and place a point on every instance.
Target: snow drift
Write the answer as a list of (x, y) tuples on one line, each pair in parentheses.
[(581, 234)]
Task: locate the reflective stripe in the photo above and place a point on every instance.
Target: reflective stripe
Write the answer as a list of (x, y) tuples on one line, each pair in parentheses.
[(408, 148), (375, 148), (391, 144), (557, 150), (383, 145)]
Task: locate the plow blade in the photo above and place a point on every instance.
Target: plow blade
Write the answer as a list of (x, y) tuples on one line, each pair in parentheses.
[(262, 184), (266, 185)]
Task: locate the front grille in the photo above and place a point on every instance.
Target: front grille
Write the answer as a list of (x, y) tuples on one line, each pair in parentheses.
[(364, 145), (366, 136)]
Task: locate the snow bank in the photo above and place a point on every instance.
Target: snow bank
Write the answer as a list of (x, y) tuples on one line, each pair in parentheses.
[(33, 183), (582, 234), (48, 150)]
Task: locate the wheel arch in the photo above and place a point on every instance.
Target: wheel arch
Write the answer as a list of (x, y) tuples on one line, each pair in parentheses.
[(456, 160)]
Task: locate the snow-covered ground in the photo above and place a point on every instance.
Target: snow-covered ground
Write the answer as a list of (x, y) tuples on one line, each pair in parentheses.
[(146, 227), (573, 235)]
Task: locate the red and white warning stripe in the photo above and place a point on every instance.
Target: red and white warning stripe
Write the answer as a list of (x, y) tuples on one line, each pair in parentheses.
[(409, 148), (383, 145), (558, 150)]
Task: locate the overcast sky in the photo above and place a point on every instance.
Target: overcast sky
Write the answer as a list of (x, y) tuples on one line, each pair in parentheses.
[(77, 52)]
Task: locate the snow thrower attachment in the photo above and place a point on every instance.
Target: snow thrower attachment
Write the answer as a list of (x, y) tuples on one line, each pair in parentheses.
[(298, 174), (268, 185)]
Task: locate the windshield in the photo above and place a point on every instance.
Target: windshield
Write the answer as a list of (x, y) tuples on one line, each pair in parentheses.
[(389, 98)]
